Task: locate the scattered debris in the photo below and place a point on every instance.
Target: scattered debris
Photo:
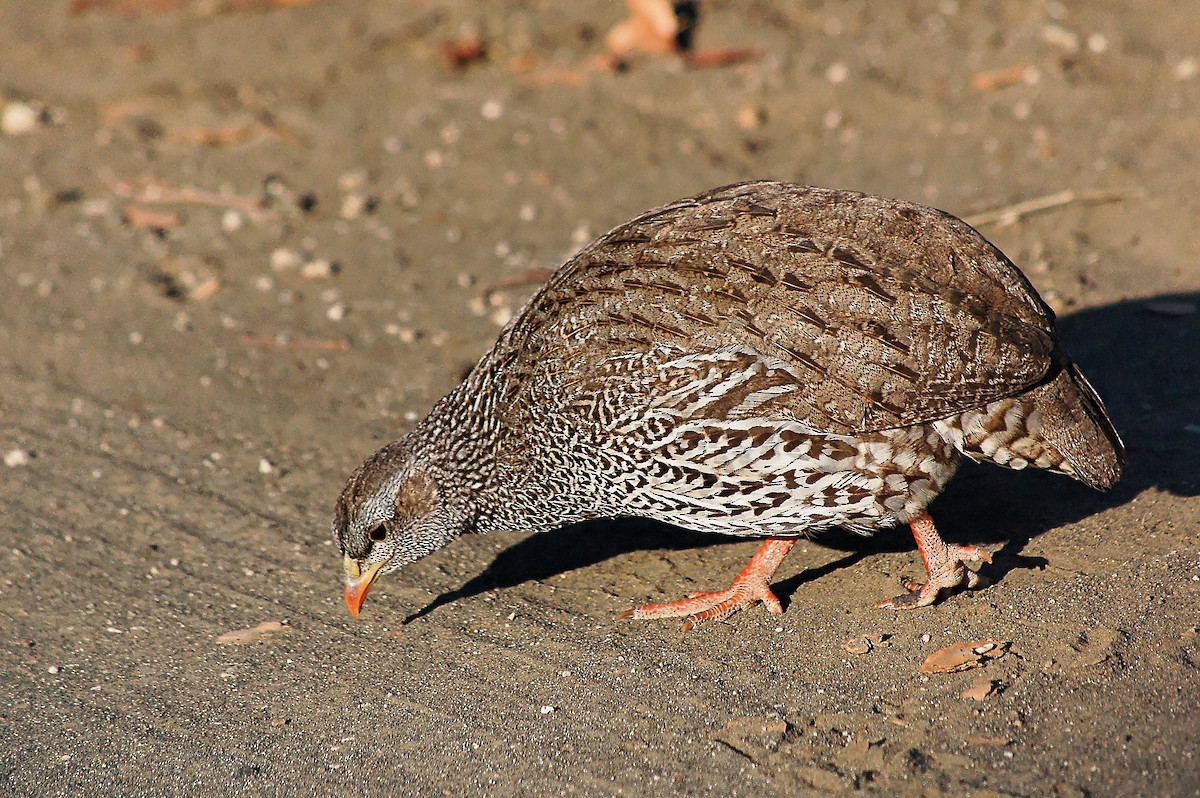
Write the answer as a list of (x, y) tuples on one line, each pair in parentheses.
[(244, 637), (150, 218), (152, 192), (857, 645), (1011, 214), (652, 27), (186, 278), (461, 53), (236, 133), (964, 656), (980, 689), (662, 27), (993, 79)]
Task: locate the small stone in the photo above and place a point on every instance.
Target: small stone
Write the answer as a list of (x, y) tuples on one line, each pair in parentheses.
[(491, 110), (318, 269), (837, 73), (857, 645), (265, 466), (284, 259), (336, 312), (17, 457), (232, 221), (547, 709), (353, 205), (19, 118), (1186, 69)]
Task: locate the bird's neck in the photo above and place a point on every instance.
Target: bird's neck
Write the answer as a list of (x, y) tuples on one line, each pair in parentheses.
[(478, 441)]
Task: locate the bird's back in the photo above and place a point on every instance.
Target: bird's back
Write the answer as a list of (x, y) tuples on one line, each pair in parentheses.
[(717, 326)]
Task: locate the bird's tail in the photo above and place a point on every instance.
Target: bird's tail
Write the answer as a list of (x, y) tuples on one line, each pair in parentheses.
[(1075, 423), (1060, 425)]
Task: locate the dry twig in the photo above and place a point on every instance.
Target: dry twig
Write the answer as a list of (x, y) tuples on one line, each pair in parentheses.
[(1011, 214)]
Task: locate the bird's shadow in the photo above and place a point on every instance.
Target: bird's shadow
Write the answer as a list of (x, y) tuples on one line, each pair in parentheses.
[(1142, 356)]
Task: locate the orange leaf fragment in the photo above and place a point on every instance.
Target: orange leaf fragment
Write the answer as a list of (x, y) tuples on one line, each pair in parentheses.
[(964, 656), (244, 637)]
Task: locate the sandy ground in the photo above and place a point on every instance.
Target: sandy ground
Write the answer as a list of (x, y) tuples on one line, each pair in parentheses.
[(187, 376)]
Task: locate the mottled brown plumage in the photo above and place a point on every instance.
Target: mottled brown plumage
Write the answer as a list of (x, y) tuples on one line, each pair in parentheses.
[(764, 359)]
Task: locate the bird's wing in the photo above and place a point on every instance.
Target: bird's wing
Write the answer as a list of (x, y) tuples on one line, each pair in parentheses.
[(852, 313)]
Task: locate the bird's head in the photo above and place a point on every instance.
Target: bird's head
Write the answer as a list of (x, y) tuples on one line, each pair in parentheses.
[(391, 513)]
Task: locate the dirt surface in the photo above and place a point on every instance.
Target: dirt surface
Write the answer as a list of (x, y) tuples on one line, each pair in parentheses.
[(187, 375)]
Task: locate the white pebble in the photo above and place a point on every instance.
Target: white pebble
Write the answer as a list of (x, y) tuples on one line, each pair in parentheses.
[(283, 259), (1186, 69), (491, 110), (1061, 37), (1097, 43), (264, 466), (336, 312), (837, 72), (19, 118), (232, 221), (52, 669), (353, 205), (317, 269), (17, 457), (547, 709)]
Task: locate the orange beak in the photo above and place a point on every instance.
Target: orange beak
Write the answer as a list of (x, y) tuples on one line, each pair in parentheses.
[(358, 582)]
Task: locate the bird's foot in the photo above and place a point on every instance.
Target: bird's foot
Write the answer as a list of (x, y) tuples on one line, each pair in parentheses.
[(749, 587), (945, 564)]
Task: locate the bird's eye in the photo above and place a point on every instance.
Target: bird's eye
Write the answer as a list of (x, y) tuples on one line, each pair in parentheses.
[(378, 533)]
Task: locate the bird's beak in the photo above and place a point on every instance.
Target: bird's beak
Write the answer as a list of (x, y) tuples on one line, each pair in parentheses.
[(358, 582)]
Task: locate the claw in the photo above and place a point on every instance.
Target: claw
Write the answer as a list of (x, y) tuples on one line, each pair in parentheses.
[(748, 588), (945, 564)]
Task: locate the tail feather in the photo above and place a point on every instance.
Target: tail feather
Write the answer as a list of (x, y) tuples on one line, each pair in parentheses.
[(1075, 422)]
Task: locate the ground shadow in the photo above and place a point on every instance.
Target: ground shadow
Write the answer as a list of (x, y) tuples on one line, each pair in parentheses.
[(1143, 357)]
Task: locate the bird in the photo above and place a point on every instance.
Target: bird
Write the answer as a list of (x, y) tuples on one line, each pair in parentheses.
[(762, 360)]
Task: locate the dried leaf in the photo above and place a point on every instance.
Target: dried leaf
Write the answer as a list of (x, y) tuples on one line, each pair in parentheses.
[(460, 53), (964, 656), (980, 689), (650, 28), (149, 218), (244, 637), (998, 78), (857, 645)]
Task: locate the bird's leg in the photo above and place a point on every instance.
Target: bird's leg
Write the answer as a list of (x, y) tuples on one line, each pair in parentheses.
[(748, 587), (944, 563)]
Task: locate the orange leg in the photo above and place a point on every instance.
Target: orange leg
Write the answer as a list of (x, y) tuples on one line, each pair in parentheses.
[(944, 564), (748, 587)]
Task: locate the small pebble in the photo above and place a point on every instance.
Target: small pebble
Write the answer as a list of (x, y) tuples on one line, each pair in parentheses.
[(19, 118), (353, 205), (53, 669), (547, 709), (491, 110), (336, 312), (1186, 69), (17, 457), (284, 259), (837, 73), (265, 466), (232, 221), (318, 269)]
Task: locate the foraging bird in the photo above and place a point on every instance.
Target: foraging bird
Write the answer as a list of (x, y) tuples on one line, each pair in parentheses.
[(761, 360)]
